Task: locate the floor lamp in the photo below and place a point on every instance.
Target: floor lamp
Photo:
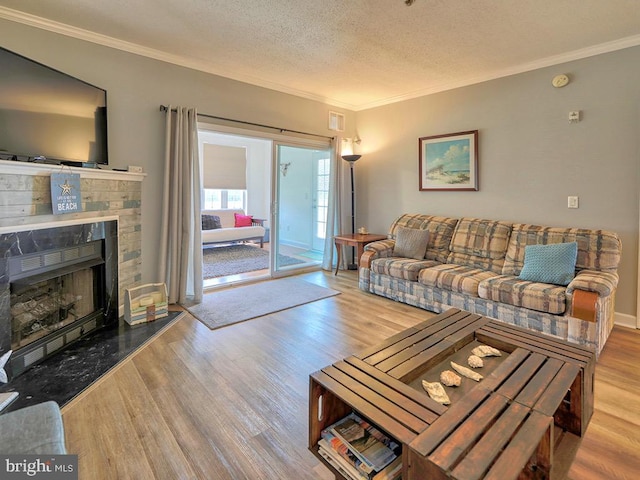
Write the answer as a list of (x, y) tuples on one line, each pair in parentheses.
[(352, 160)]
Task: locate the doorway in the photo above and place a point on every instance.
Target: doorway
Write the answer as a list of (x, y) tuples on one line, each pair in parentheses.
[(294, 179), (301, 202)]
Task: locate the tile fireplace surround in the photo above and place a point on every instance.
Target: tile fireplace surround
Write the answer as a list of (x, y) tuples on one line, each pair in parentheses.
[(114, 197)]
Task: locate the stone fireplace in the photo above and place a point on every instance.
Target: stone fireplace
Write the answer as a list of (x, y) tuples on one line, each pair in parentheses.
[(104, 244), (57, 284)]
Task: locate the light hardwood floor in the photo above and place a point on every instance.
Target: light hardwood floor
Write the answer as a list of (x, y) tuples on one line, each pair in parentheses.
[(232, 403)]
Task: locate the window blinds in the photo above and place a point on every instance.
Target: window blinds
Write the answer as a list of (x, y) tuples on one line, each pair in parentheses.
[(225, 168)]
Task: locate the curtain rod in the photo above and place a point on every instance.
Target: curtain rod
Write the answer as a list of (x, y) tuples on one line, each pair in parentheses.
[(163, 108)]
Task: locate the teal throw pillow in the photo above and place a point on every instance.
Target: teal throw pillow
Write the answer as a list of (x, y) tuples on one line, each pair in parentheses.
[(554, 263)]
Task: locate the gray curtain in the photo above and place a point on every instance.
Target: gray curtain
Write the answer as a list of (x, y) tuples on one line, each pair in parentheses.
[(334, 214), (181, 234)]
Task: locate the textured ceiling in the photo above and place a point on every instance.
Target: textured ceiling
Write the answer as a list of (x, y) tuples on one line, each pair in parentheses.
[(351, 53)]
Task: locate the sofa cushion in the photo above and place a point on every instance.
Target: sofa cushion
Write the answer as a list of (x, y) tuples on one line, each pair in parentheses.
[(597, 249), (456, 278), (227, 215), (243, 220), (411, 243), (511, 290), (398, 267), (552, 263), (221, 235), (211, 222), (480, 243), (33, 430), (440, 232)]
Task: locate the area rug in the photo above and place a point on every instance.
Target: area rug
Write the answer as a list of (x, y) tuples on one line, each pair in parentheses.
[(234, 305), (233, 259), (66, 374)]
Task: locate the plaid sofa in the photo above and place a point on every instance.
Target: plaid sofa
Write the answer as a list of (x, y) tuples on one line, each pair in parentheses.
[(473, 264)]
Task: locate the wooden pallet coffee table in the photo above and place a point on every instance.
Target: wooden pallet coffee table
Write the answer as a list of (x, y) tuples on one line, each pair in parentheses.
[(506, 426)]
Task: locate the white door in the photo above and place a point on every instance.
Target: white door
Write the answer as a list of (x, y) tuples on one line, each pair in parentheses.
[(301, 197), (322, 165)]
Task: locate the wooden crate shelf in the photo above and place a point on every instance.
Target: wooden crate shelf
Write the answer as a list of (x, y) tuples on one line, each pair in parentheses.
[(507, 426)]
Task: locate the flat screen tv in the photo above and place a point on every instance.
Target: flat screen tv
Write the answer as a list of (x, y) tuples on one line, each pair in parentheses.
[(49, 116)]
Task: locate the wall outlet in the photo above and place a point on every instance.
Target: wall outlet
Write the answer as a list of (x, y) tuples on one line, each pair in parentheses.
[(572, 202)]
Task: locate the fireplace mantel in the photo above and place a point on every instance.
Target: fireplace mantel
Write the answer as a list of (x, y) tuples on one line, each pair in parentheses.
[(30, 168), (57, 222)]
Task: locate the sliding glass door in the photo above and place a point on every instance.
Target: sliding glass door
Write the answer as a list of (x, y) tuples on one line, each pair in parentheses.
[(286, 184), (301, 184)]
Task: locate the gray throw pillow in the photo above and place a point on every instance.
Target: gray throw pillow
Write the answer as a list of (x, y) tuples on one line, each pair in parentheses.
[(411, 243), (211, 222)]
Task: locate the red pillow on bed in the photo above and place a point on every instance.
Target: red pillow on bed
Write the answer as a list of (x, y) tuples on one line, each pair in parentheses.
[(243, 220)]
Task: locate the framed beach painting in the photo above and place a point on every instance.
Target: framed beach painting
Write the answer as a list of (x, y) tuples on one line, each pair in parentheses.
[(449, 162)]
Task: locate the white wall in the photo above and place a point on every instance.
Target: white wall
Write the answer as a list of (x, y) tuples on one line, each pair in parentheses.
[(530, 157)]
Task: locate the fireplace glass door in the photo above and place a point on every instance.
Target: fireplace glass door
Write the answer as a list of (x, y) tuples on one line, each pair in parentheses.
[(39, 307), (51, 289)]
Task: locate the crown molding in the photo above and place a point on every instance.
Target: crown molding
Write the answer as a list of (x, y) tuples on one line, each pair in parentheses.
[(607, 47), (104, 40)]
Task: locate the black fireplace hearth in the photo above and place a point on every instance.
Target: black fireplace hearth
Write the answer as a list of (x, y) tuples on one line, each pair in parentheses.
[(64, 375)]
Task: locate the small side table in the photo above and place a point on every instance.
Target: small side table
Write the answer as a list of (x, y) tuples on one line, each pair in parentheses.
[(358, 240)]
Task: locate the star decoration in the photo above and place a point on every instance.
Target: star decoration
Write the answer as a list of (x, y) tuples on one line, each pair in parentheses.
[(66, 188), (3, 361)]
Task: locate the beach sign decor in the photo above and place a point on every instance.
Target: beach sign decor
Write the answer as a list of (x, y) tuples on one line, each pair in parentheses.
[(65, 193), (449, 162)]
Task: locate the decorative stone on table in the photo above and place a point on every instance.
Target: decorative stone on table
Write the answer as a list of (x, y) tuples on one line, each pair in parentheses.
[(450, 379), (436, 392), (486, 351), (466, 372), (475, 362)]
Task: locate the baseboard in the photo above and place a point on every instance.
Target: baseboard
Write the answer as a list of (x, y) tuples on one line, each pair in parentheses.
[(293, 243), (625, 320)]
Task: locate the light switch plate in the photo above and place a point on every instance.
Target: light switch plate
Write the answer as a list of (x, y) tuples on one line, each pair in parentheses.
[(572, 202)]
